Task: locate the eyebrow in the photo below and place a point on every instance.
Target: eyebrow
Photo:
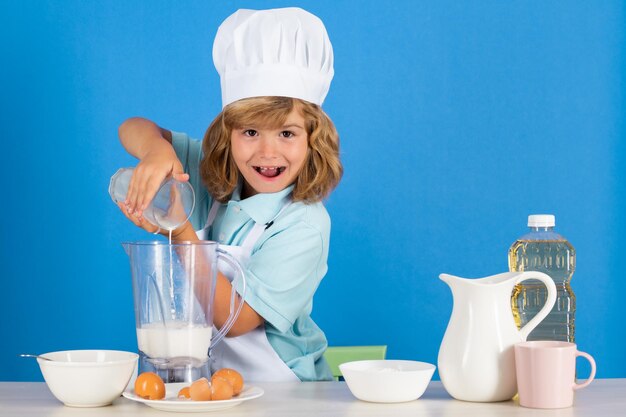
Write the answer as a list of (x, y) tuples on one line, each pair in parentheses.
[(292, 125), (255, 127)]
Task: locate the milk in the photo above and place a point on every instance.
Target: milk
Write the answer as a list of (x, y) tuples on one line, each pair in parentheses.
[(175, 339)]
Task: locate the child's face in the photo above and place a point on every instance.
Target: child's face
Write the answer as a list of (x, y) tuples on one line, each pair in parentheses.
[(270, 159)]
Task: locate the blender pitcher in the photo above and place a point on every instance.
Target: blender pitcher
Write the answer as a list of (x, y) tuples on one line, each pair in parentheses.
[(173, 288)]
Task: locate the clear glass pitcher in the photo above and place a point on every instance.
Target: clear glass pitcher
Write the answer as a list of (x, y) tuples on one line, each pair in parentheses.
[(173, 288)]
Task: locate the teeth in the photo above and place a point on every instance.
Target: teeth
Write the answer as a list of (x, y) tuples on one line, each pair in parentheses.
[(279, 169)]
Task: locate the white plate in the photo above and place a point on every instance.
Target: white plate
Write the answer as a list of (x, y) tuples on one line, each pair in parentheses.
[(171, 402)]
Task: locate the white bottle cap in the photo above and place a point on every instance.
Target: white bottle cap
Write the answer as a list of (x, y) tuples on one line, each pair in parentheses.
[(541, 220)]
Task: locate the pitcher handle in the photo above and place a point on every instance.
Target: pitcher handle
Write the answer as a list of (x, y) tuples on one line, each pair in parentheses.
[(547, 307), (234, 311)]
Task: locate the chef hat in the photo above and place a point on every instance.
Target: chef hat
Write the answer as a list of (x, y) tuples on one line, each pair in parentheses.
[(277, 52)]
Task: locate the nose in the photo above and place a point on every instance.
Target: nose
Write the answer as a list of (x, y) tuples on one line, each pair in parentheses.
[(267, 147)]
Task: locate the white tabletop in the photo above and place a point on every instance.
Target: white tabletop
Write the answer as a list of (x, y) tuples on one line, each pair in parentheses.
[(604, 397)]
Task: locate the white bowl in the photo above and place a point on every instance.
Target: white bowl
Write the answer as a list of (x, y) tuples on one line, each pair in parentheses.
[(87, 378), (387, 381)]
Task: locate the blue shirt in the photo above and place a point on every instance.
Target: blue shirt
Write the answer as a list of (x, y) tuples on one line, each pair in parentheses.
[(286, 266)]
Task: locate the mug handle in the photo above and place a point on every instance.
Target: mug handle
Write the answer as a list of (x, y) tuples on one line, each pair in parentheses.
[(547, 307), (234, 311), (593, 370)]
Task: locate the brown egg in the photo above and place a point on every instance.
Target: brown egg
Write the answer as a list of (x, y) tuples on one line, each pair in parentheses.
[(200, 390), (150, 386), (221, 389), (184, 394), (232, 376)]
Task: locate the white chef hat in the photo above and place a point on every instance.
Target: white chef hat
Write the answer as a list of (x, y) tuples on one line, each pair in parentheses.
[(277, 52)]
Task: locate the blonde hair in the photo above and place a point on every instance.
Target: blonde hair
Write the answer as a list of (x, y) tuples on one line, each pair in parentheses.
[(321, 171)]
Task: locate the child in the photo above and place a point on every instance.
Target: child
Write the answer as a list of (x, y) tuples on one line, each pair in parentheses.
[(265, 164)]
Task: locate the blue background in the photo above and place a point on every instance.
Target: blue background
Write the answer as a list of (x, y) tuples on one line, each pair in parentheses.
[(457, 120)]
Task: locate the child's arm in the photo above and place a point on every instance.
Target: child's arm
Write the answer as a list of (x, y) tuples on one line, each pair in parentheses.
[(152, 146), (248, 318), (157, 160)]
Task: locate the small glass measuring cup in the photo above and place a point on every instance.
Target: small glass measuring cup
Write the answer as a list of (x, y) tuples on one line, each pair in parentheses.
[(171, 206)]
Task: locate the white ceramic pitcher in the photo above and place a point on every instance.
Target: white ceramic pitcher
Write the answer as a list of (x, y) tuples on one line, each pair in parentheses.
[(476, 358)]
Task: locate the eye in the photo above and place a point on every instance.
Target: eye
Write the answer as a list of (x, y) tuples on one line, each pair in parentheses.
[(286, 134), (250, 132)]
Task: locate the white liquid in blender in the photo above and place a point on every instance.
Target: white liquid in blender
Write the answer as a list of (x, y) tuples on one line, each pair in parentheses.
[(174, 339)]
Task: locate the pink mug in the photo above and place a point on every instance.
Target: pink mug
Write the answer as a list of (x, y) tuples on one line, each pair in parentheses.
[(546, 373)]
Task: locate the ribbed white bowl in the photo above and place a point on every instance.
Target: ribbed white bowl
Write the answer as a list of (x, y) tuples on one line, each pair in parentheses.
[(387, 381)]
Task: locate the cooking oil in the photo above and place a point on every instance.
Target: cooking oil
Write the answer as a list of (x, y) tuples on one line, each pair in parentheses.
[(544, 250)]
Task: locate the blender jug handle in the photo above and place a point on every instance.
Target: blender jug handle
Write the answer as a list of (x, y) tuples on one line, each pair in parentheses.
[(234, 311)]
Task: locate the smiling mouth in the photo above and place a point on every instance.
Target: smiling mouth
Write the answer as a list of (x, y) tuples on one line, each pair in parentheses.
[(269, 172)]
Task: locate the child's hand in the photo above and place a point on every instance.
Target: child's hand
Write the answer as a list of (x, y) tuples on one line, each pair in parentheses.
[(148, 177), (183, 233), (139, 221)]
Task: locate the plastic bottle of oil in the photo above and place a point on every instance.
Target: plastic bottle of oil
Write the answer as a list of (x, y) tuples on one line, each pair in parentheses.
[(544, 250)]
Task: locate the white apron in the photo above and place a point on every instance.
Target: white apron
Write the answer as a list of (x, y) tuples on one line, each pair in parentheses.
[(251, 353)]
